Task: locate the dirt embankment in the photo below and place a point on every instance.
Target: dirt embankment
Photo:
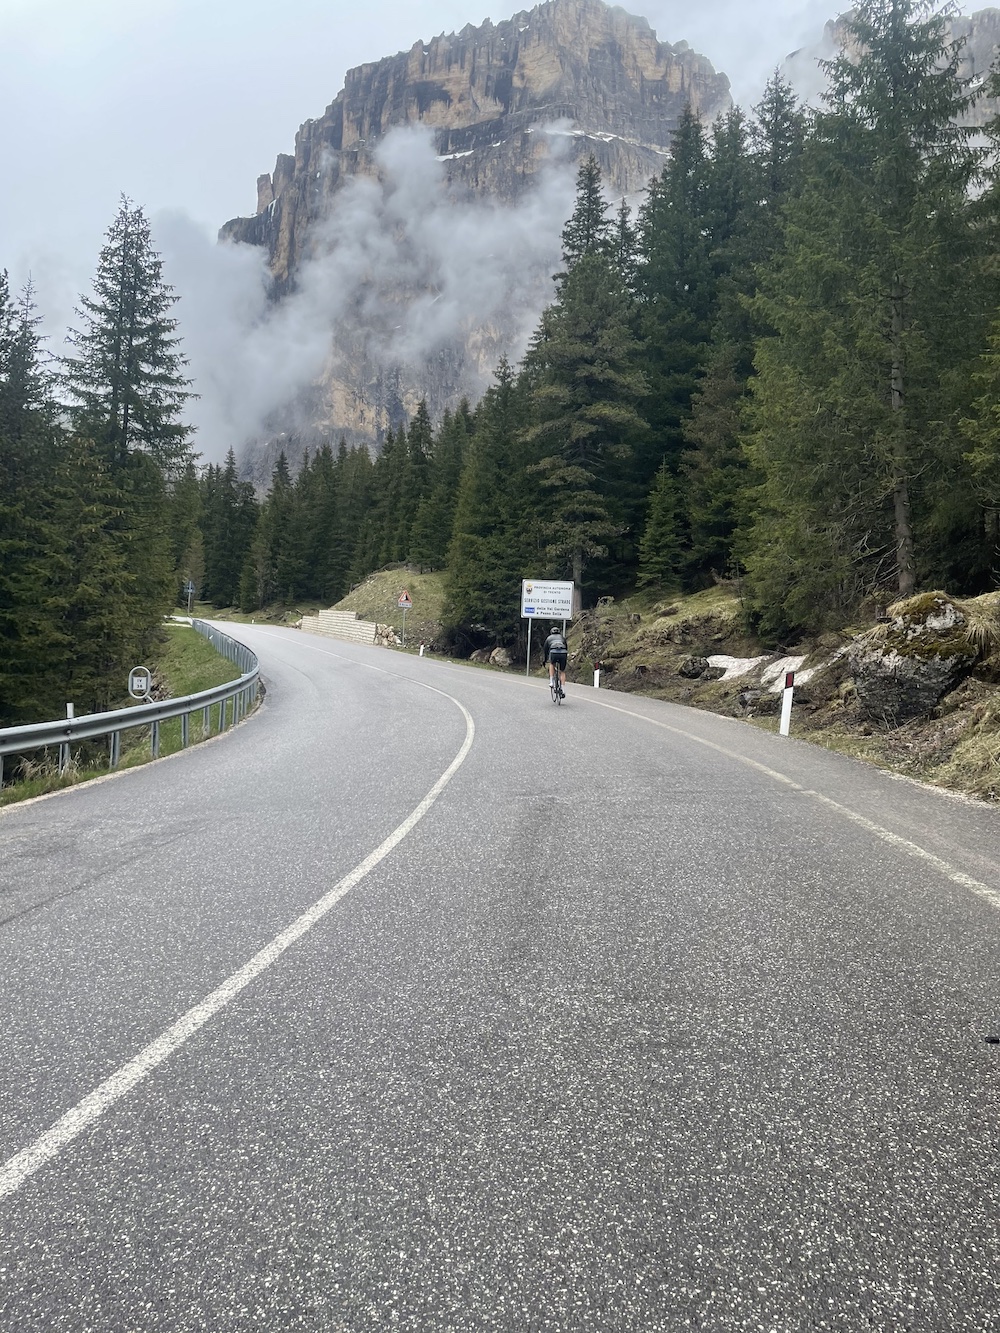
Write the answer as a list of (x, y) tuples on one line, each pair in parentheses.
[(696, 651)]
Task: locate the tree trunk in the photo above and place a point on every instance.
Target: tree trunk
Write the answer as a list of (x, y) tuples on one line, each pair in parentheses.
[(578, 566), (905, 573)]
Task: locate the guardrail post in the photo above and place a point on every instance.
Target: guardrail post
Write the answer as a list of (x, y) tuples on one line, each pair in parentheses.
[(62, 735), (64, 750)]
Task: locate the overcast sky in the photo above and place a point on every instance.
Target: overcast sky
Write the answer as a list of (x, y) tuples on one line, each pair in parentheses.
[(181, 104)]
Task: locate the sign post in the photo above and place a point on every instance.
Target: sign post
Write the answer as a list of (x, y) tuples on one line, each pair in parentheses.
[(542, 600), (786, 703), (405, 603)]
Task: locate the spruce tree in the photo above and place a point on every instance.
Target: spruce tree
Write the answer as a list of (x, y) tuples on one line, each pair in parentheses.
[(496, 537), (434, 519), (127, 375), (586, 395), (229, 520), (881, 293), (660, 549), (34, 532), (589, 230)]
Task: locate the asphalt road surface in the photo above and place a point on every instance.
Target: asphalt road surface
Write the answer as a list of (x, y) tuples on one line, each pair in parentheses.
[(418, 1003)]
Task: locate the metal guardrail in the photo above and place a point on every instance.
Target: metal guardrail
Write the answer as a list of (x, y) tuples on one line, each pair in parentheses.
[(65, 731)]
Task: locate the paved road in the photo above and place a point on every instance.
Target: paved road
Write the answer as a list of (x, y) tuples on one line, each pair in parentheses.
[(610, 1017)]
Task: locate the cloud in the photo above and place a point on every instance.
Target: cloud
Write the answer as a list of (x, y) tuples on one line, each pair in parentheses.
[(746, 41), (405, 277)]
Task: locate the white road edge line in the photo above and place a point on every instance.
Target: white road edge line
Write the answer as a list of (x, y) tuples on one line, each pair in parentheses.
[(991, 895), (26, 1163), (984, 891)]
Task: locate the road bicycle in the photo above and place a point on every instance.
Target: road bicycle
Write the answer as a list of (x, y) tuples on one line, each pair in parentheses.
[(555, 687)]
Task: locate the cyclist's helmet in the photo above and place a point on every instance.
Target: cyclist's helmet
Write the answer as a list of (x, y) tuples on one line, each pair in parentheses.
[(554, 629)]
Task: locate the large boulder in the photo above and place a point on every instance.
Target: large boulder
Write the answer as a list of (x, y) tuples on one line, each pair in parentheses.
[(692, 667), (903, 668), (500, 657)]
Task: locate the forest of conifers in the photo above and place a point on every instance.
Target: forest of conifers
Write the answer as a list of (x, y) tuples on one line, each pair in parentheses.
[(782, 370)]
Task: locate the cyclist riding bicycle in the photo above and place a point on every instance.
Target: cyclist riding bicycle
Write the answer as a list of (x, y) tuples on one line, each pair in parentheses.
[(556, 652)]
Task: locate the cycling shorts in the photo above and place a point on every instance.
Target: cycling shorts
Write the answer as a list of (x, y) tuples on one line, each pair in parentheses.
[(558, 658)]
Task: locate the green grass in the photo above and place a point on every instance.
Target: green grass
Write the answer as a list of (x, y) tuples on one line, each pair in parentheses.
[(184, 663), (377, 599)]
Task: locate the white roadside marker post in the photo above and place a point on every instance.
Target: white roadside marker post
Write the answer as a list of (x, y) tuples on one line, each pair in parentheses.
[(597, 675), (786, 703)]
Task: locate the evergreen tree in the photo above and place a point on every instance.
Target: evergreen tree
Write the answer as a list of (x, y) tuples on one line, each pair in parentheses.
[(660, 549), (415, 479), (127, 375), (434, 520), (34, 662), (881, 293), (714, 465), (624, 252), (589, 230), (229, 520), (752, 172), (187, 546), (496, 540), (677, 291), (585, 412)]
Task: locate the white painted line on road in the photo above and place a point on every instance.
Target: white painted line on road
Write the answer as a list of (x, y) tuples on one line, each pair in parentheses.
[(24, 1164), (991, 895)]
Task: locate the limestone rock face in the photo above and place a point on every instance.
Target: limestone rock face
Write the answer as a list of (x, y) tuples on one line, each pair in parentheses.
[(902, 670), (487, 92), (564, 80)]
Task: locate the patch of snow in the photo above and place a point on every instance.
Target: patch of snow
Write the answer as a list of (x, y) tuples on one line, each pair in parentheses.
[(450, 157), (773, 675), (735, 666)]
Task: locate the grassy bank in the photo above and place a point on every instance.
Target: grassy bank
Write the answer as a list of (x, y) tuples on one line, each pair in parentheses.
[(183, 663)]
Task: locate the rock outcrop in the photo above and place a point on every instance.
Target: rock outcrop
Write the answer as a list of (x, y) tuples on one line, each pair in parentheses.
[(487, 93), (567, 79), (902, 669)]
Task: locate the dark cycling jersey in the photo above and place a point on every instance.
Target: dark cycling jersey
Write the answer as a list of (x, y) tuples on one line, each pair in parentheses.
[(555, 649)]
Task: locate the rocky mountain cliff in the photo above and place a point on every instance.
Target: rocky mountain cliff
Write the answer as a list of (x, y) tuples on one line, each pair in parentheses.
[(569, 77), (486, 92)]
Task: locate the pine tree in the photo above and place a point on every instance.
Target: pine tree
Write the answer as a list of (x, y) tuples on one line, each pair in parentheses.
[(585, 412), (496, 539), (127, 375), (431, 534), (589, 230), (660, 549), (881, 293)]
